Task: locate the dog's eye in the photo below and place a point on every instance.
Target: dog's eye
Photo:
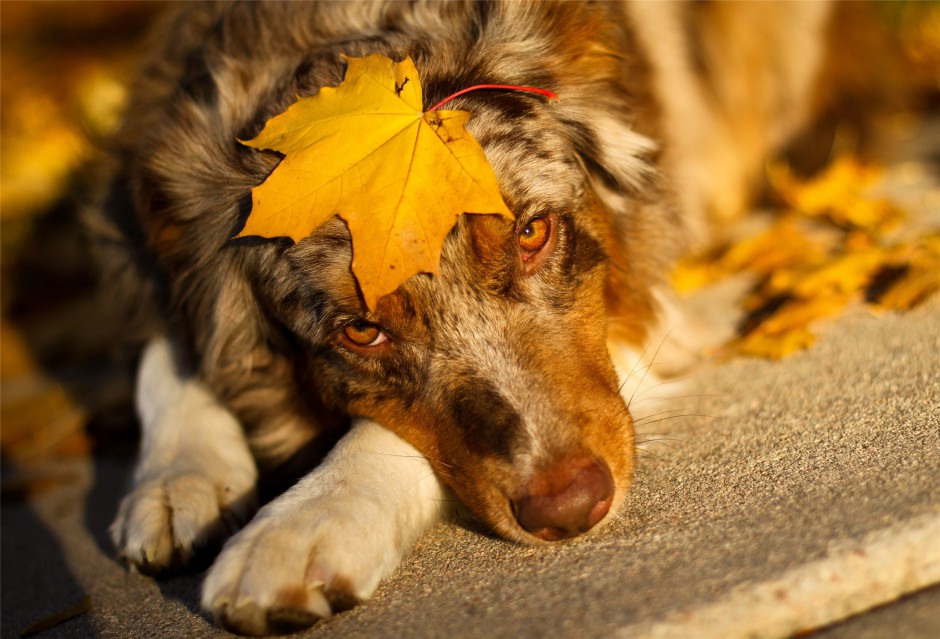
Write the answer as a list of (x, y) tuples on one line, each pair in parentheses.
[(534, 236), (364, 334)]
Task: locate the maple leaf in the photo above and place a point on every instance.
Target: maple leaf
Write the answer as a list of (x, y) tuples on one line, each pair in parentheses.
[(840, 194), (920, 262), (827, 252), (366, 151)]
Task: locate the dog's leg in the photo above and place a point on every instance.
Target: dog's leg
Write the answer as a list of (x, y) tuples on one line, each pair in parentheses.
[(195, 481), (328, 541)]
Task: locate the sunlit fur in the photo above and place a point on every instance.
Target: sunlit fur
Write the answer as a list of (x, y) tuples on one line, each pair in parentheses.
[(497, 367)]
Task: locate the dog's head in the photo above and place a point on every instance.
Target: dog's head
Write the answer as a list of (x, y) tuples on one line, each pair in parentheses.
[(497, 368)]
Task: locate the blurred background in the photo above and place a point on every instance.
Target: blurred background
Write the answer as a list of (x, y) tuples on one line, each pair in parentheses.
[(65, 70)]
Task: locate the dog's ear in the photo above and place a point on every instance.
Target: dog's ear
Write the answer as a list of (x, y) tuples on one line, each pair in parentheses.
[(641, 225), (131, 286), (244, 360), (610, 150), (608, 106)]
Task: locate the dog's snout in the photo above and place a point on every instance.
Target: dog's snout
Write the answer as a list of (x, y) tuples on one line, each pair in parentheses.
[(566, 499)]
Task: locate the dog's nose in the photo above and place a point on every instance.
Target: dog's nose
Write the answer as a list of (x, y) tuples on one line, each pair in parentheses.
[(566, 499)]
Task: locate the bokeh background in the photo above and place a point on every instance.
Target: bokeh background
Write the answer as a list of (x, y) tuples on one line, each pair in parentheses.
[(64, 69)]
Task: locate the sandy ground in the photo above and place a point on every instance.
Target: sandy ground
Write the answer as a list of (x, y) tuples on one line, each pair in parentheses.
[(786, 496)]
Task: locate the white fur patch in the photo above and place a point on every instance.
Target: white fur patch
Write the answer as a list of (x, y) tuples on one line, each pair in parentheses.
[(333, 536), (648, 378), (195, 479), (626, 152)]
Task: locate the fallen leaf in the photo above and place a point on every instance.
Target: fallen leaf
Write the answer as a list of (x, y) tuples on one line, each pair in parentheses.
[(921, 277), (51, 621), (775, 346), (769, 253), (781, 246), (847, 273), (366, 151), (840, 194), (797, 314), (828, 249)]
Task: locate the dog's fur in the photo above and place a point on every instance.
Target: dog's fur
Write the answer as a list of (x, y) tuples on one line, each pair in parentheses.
[(496, 383)]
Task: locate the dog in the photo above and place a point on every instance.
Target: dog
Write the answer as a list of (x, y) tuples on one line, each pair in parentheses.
[(495, 383)]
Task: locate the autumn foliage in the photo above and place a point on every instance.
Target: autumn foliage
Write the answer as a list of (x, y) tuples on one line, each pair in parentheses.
[(833, 243)]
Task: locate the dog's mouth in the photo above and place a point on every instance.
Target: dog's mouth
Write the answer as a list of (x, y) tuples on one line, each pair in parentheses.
[(565, 500)]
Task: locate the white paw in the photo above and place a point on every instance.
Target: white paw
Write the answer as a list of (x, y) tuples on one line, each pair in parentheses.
[(166, 518), (297, 563)]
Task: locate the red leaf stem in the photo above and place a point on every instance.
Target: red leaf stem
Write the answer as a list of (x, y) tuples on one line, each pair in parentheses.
[(508, 87)]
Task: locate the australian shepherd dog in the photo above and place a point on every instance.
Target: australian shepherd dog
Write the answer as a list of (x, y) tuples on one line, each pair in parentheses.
[(492, 384)]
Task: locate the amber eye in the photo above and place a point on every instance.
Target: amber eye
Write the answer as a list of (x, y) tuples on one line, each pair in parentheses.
[(364, 334), (534, 235)]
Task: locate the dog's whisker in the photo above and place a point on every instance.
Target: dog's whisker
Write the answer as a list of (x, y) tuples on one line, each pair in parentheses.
[(658, 417), (660, 438), (633, 370), (658, 442), (662, 412), (424, 457), (675, 397), (650, 365), (657, 437), (662, 419), (435, 460), (649, 452), (675, 380)]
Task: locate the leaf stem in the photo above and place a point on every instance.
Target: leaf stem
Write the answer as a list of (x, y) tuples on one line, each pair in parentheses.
[(508, 87)]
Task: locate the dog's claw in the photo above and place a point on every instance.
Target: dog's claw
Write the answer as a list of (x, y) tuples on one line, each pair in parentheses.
[(164, 521), (249, 618), (261, 583)]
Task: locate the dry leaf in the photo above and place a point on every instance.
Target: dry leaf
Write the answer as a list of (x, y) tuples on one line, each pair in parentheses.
[(693, 273), (846, 273), (367, 152), (781, 246), (797, 314), (769, 253), (839, 194), (921, 274), (825, 253), (775, 346), (51, 621)]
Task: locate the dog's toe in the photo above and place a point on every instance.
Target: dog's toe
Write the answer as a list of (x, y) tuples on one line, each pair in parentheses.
[(281, 617), (259, 584), (287, 620), (284, 573), (162, 523)]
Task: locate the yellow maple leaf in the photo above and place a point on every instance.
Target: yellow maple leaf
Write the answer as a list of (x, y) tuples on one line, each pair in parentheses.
[(366, 151), (775, 345), (921, 278), (841, 194), (798, 314), (848, 273), (781, 246)]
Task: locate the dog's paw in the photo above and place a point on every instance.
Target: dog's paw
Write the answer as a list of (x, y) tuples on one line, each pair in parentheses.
[(165, 519), (287, 570)]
